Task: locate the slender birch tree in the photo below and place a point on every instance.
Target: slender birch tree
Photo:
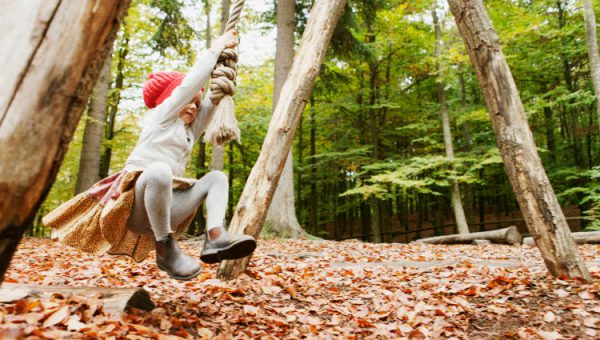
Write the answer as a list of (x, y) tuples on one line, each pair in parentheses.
[(457, 206), (281, 218)]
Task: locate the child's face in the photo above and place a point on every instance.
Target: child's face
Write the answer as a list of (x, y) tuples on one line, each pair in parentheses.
[(189, 112)]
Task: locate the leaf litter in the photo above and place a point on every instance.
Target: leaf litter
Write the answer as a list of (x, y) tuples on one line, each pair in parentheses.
[(313, 289)]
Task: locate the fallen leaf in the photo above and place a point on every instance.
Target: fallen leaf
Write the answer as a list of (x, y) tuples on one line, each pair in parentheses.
[(56, 317), (250, 310), (554, 335), (292, 291), (549, 316)]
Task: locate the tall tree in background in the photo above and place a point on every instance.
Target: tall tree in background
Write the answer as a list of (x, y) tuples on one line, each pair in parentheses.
[(591, 39), (457, 206), (113, 103), (259, 189), (543, 215), (281, 218), (91, 150), (200, 220), (217, 160)]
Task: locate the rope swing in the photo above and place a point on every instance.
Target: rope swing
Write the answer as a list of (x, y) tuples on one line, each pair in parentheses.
[(224, 125)]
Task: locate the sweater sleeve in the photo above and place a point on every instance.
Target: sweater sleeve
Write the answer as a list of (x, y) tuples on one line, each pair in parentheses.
[(183, 94), (204, 117)]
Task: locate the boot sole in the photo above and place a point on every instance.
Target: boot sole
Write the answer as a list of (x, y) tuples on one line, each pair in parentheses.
[(234, 251), (181, 278)]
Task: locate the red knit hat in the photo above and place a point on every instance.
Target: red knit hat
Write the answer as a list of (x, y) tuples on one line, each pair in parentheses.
[(159, 86)]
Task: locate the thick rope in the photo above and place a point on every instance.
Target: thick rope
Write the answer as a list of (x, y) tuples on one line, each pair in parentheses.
[(223, 127)]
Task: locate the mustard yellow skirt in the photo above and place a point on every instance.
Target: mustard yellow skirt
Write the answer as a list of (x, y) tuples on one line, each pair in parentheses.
[(95, 220)]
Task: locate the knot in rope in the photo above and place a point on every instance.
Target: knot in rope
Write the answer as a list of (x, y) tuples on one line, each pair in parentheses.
[(223, 76), (223, 127)]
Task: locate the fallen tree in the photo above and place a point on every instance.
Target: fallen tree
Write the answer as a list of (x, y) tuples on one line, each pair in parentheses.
[(582, 237), (114, 300), (508, 235)]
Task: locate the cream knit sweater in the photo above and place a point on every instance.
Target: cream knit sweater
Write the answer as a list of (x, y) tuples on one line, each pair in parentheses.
[(165, 137)]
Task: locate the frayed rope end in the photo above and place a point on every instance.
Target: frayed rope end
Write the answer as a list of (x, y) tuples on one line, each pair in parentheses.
[(224, 126)]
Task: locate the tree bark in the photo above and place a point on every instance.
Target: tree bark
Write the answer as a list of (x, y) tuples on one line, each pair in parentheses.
[(591, 39), (539, 206), (91, 149), (114, 300), (46, 82), (258, 192), (508, 235), (281, 218), (457, 206)]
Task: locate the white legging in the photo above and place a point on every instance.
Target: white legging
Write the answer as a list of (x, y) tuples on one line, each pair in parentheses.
[(157, 207)]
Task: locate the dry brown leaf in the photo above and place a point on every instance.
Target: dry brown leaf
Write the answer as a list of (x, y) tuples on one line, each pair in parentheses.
[(250, 310), (549, 316), (292, 291), (553, 335), (592, 322), (56, 317)]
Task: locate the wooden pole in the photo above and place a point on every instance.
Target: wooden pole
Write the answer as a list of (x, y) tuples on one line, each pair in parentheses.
[(115, 300), (258, 192), (582, 237), (46, 80), (541, 211), (508, 235)]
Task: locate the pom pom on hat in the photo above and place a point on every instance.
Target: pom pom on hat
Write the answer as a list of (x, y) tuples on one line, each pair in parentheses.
[(159, 87)]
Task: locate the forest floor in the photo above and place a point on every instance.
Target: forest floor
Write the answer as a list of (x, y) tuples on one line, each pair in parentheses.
[(315, 289)]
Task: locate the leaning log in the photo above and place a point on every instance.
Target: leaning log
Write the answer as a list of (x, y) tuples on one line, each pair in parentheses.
[(536, 198), (258, 192), (582, 237), (508, 235), (51, 53), (115, 300)]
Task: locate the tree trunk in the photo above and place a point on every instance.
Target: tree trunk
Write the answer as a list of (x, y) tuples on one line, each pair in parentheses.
[(199, 220), (569, 81), (217, 160), (313, 203), (299, 201), (459, 212), (281, 218), (508, 235), (582, 237), (91, 150), (258, 192), (375, 220), (46, 83), (591, 39), (109, 128), (114, 300), (549, 126), (541, 211), (231, 176)]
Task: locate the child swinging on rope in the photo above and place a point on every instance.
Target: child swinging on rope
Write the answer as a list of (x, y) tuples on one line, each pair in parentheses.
[(145, 204)]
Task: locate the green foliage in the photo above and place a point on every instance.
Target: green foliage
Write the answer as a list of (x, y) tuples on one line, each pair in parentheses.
[(173, 29), (375, 108), (584, 191)]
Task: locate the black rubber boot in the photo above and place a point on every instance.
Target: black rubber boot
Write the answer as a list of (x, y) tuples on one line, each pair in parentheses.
[(177, 264), (227, 247)]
